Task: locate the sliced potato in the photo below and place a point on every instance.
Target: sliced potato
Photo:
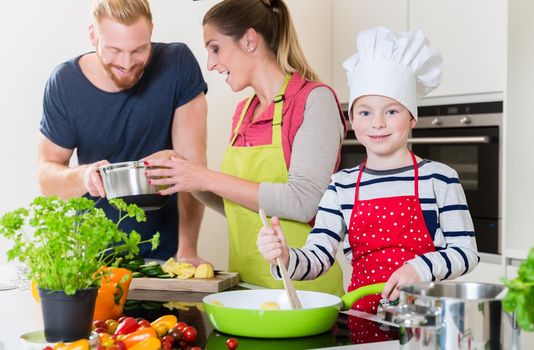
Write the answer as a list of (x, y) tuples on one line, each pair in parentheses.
[(269, 305), (204, 271)]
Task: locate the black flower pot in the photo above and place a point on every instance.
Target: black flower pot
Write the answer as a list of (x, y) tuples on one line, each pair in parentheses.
[(67, 317)]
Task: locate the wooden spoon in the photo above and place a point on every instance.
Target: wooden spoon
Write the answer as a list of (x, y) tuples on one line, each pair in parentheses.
[(294, 301)]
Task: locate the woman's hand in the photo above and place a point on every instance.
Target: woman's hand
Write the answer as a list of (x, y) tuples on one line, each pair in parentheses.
[(164, 154), (404, 275), (181, 175), (272, 243)]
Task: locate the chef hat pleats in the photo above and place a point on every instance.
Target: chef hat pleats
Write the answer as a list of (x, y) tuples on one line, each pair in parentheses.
[(402, 66)]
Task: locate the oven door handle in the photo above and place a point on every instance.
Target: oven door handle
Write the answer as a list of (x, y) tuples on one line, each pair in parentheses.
[(434, 140)]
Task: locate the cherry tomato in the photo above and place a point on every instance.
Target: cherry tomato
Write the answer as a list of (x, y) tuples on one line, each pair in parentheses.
[(168, 338), (176, 334), (190, 334), (143, 323), (161, 329), (100, 330), (48, 348), (196, 348), (232, 343), (180, 326), (126, 326), (121, 319), (166, 346), (119, 345), (111, 325), (99, 324)]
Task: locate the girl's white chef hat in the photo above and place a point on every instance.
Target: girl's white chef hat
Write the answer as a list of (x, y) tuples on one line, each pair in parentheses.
[(402, 66)]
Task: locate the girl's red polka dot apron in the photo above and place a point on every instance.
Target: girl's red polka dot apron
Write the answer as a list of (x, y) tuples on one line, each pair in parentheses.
[(384, 234)]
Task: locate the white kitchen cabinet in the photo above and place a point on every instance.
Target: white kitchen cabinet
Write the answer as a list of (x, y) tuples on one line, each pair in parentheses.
[(352, 16), (518, 161), (471, 35)]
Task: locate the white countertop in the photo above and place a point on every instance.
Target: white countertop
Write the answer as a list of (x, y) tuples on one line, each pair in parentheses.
[(20, 314)]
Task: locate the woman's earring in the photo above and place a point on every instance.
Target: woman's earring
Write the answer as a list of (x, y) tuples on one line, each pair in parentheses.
[(250, 49)]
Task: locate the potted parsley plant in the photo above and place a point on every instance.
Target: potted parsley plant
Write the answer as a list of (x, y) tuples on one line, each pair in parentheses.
[(63, 244)]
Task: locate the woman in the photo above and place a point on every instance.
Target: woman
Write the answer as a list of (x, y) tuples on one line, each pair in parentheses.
[(285, 138)]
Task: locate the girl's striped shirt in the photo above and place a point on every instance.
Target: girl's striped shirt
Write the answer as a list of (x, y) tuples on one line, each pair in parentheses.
[(444, 208)]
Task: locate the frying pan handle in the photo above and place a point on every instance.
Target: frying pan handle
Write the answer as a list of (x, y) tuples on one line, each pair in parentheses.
[(353, 296)]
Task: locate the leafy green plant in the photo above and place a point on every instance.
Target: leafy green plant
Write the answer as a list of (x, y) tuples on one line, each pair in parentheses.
[(520, 296), (70, 240)]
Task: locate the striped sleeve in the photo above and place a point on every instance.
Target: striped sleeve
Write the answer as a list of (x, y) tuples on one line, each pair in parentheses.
[(319, 252), (456, 250)]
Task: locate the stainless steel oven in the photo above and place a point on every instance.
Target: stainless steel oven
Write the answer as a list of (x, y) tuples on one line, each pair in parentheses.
[(466, 137)]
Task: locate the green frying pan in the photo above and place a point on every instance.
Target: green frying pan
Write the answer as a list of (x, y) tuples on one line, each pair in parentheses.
[(239, 312)]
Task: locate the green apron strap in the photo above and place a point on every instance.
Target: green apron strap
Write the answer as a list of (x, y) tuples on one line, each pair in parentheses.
[(277, 116), (241, 117)]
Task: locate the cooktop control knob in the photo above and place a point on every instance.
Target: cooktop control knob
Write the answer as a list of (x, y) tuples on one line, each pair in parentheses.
[(436, 121), (465, 120)]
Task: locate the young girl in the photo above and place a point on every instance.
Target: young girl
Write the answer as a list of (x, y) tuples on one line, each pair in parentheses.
[(406, 218)]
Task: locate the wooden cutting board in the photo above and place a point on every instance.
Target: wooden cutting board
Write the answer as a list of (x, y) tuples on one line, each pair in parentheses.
[(221, 281)]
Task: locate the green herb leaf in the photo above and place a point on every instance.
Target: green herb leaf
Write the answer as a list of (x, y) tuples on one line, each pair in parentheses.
[(67, 241), (520, 296)]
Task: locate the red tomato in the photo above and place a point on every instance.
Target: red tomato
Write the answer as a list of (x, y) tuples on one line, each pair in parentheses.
[(190, 334), (180, 326), (99, 324), (119, 345), (168, 339), (121, 319), (127, 326), (48, 348), (143, 323), (196, 348), (232, 343)]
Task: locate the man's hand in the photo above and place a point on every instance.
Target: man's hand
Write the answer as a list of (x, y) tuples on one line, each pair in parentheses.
[(92, 180), (272, 243), (193, 259), (404, 275)]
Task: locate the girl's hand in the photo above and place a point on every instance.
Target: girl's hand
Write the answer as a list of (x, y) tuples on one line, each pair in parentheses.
[(404, 275), (272, 243), (181, 175)]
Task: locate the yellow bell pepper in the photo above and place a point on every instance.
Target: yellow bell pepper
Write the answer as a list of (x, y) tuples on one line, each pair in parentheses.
[(147, 344), (168, 320), (112, 294), (82, 344)]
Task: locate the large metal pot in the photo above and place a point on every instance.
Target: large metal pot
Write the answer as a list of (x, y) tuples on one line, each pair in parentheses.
[(453, 315), (127, 180)]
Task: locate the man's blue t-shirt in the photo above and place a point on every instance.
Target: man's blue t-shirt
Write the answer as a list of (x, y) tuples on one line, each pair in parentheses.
[(126, 125)]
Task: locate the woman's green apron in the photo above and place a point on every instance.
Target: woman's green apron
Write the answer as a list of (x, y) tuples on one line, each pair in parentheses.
[(265, 163)]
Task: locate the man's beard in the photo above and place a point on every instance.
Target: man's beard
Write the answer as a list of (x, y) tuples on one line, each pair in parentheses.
[(124, 83)]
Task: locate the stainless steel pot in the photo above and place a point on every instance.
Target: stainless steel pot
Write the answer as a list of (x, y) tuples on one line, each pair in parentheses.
[(453, 315), (127, 180)]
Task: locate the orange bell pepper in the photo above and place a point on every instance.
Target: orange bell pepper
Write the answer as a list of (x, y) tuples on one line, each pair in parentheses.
[(82, 344), (138, 336), (147, 344), (112, 293)]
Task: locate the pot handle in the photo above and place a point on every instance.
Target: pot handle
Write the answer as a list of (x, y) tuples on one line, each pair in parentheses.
[(411, 315), (353, 296)]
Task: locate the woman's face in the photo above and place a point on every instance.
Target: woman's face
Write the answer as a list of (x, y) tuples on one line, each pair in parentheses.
[(228, 57), (381, 124)]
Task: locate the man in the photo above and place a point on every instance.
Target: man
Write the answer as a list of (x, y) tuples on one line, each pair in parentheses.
[(129, 99)]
